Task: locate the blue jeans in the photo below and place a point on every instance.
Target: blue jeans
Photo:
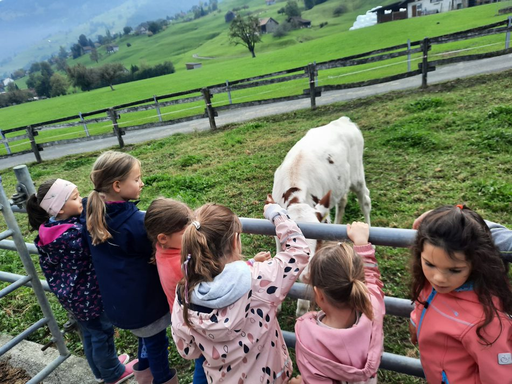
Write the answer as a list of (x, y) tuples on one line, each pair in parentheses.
[(199, 375), (154, 354), (99, 348)]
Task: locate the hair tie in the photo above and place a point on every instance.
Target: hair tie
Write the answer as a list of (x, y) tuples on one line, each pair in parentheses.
[(460, 206), (196, 224), (185, 271)]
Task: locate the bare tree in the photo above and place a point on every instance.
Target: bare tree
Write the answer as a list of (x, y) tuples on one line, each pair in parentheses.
[(245, 31)]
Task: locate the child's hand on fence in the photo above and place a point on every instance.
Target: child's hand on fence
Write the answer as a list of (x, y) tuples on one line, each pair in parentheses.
[(358, 232), (412, 332), (262, 256), (419, 219)]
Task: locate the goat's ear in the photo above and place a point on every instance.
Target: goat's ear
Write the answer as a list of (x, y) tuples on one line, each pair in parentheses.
[(326, 200), (270, 199)]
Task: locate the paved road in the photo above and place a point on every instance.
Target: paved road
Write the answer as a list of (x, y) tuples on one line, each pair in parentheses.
[(442, 74)]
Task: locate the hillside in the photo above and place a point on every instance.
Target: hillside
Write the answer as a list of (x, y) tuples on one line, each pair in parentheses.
[(34, 30)]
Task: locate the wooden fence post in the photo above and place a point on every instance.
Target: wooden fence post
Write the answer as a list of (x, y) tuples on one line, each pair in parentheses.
[(6, 144), (209, 108), (157, 108), (35, 148), (117, 131), (312, 90), (425, 47)]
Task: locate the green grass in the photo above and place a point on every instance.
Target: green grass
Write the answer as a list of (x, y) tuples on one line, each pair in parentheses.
[(448, 144), (208, 37)]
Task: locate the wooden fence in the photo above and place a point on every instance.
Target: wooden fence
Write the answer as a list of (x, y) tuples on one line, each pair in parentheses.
[(204, 95)]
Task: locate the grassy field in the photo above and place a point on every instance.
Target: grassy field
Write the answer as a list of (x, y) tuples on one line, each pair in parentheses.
[(448, 144), (208, 37)]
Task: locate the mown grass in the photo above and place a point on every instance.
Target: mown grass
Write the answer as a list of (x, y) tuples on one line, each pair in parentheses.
[(208, 37), (448, 144)]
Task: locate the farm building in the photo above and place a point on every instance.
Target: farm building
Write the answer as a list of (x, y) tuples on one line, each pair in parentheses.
[(112, 48), (300, 22), (268, 25), (193, 65), (413, 8)]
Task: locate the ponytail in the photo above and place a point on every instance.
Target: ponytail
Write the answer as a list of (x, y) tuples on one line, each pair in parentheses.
[(339, 272), (96, 223), (37, 215), (205, 245)]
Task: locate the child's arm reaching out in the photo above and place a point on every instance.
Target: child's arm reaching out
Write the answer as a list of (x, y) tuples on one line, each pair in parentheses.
[(359, 233)]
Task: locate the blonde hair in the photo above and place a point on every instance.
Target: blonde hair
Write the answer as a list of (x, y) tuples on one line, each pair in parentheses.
[(205, 244), (339, 272), (111, 166)]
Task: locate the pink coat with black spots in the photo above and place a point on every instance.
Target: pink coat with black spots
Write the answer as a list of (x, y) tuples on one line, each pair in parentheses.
[(243, 342)]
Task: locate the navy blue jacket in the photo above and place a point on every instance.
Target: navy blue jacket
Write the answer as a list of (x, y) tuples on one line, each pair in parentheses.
[(130, 287)]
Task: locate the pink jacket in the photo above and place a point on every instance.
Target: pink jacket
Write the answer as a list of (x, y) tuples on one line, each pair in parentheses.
[(243, 342), (168, 262), (326, 355), (451, 351)]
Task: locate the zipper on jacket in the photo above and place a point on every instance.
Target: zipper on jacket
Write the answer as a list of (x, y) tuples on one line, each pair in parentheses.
[(445, 378), (425, 307)]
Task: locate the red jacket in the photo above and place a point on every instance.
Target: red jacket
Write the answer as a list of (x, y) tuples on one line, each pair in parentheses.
[(168, 262), (451, 351)]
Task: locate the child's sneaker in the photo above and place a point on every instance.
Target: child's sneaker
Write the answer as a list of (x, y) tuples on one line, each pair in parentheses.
[(123, 359), (128, 372)]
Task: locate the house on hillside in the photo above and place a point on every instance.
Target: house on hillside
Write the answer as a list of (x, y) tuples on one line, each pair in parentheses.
[(193, 66), (87, 49), (299, 22), (112, 48), (404, 9), (270, 2), (268, 25)]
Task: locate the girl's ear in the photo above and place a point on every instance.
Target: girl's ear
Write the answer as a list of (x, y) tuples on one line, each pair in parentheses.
[(116, 186), (162, 239), (319, 296)]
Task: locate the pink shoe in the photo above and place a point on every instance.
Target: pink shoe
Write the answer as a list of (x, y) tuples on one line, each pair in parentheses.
[(128, 372), (123, 359)]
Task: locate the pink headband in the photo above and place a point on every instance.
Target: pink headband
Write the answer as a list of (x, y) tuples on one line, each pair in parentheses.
[(57, 196)]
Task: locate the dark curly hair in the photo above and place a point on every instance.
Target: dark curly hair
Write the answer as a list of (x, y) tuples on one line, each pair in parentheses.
[(460, 229)]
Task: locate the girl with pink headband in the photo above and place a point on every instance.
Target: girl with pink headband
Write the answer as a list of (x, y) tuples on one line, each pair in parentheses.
[(67, 265)]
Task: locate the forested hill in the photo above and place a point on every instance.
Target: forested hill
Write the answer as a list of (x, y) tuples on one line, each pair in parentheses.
[(44, 25)]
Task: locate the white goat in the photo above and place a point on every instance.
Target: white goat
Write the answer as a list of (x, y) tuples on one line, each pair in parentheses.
[(317, 174)]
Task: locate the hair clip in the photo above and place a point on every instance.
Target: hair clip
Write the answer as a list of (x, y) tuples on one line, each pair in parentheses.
[(460, 206), (185, 270), (196, 224)]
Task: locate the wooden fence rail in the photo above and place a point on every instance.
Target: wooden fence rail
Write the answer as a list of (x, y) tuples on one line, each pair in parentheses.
[(311, 89)]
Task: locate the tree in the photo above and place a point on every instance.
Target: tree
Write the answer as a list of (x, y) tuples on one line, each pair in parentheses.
[(94, 55), (127, 30), (39, 80), (83, 41), (108, 36), (308, 4), (63, 54), (229, 16), (19, 73), (82, 77), (76, 51), (59, 85), (61, 64), (245, 31), (291, 9), (154, 27), (109, 72)]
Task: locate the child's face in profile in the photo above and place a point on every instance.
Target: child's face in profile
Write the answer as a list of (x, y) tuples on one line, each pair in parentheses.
[(72, 207), (172, 240), (442, 271)]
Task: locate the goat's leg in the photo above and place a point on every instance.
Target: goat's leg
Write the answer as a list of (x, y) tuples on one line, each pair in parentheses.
[(340, 209)]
